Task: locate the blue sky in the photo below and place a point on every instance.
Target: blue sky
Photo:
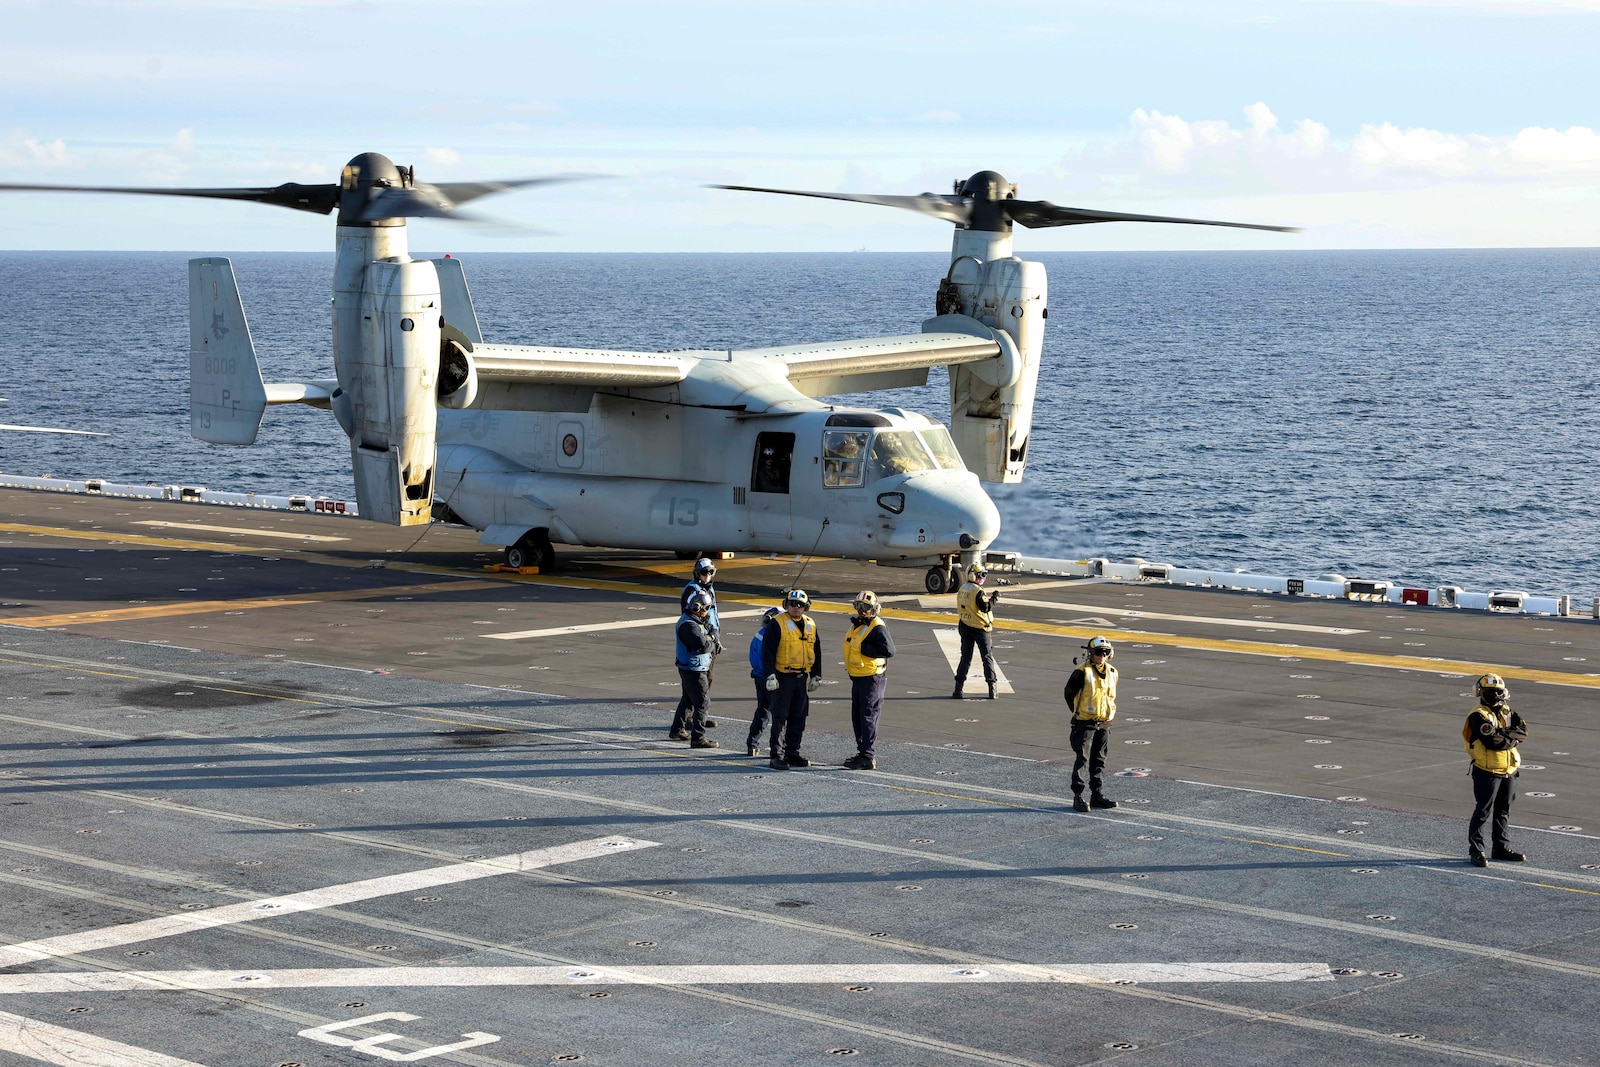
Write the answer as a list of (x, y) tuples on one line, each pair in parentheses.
[(1429, 123)]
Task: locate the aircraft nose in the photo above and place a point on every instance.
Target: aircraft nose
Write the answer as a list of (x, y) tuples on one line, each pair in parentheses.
[(941, 509)]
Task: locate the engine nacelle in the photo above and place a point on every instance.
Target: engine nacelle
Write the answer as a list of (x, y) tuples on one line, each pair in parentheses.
[(458, 374), (394, 403), (991, 403)]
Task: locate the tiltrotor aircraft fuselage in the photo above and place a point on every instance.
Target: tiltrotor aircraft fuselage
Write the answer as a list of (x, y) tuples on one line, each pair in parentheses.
[(687, 451)]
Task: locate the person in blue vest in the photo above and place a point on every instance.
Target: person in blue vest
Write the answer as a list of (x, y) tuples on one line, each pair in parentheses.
[(699, 585), (792, 668), (867, 648), (752, 741), (695, 641)]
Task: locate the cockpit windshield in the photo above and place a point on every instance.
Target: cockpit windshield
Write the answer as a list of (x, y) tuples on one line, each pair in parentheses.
[(857, 457)]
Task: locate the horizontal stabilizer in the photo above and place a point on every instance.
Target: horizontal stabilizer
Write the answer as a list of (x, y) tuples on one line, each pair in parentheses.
[(226, 394)]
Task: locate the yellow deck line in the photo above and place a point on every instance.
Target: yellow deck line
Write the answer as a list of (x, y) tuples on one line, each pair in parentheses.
[(1204, 644), (206, 607)]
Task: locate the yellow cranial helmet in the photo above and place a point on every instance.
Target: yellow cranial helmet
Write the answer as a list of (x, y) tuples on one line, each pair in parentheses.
[(866, 603), (1097, 645), (976, 572), (796, 596), (1491, 689)]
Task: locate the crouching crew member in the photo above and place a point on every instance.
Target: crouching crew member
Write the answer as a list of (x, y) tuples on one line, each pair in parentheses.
[(696, 639), (867, 648), (700, 585), (792, 668), (1091, 693), (758, 672), (975, 624), (1492, 733)]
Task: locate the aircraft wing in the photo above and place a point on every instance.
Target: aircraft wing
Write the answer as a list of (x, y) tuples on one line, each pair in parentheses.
[(537, 365), (875, 362)]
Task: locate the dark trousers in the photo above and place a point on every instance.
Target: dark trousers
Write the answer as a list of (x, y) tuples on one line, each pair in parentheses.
[(680, 718), (763, 713), (866, 705), (696, 695), (789, 705), (972, 637), (1492, 796), (1087, 735)]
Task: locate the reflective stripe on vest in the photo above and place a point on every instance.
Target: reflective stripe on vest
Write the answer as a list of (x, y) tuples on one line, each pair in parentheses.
[(1504, 761), (1097, 700), (797, 644), (855, 664), (700, 662), (967, 607)]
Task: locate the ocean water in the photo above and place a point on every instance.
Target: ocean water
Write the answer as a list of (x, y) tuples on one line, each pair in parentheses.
[(1423, 416)]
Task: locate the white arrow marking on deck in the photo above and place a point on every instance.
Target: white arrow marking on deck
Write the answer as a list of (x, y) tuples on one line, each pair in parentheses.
[(236, 530), (1129, 613), (950, 645), (42, 1041), (743, 974), (626, 624), (312, 899)]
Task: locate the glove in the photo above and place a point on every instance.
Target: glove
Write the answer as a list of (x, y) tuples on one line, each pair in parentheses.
[(772, 683), (716, 645), (811, 683), (994, 597)]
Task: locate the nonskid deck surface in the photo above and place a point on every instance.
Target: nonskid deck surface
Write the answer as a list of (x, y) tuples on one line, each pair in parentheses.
[(257, 788)]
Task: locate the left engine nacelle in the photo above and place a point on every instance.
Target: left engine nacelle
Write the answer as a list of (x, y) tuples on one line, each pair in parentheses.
[(394, 412)]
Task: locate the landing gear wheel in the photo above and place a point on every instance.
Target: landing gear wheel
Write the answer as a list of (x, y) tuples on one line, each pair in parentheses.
[(533, 549), (936, 581)]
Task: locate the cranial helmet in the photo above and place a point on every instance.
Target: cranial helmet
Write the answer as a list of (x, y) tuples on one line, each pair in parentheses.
[(976, 573), (1099, 644), (1491, 689), (699, 604), (703, 567), (796, 596), (866, 603)]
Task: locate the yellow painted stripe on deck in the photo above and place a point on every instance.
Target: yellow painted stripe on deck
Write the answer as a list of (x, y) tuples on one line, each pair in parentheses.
[(206, 607), (128, 539)]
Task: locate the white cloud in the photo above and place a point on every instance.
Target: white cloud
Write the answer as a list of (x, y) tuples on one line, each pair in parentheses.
[(444, 157), (1173, 145), (939, 116)]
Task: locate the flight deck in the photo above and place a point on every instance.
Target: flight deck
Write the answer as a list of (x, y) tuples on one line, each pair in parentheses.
[(293, 789)]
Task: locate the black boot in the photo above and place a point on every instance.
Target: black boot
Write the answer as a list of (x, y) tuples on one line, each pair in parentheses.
[(1101, 801), (1505, 854), (1477, 858), (957, 694), (1078, 803), (991, 690)]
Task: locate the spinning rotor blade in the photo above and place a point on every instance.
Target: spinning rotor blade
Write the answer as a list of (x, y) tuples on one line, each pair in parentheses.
[(319, 199), (956, 209), (425, 200), (1036, 214)]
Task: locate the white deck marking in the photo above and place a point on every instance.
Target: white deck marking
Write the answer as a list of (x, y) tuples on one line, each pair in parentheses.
[(311, 899), (950, 644), (1130, 613), (625, 624), (236, 530), (743, 974), (42, 1041)]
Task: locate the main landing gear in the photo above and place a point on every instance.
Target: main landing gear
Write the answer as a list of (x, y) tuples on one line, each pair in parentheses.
[(533, 549)]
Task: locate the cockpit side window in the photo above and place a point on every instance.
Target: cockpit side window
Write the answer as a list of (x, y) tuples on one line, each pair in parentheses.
[(897, 452), (844, 454), (770, 468)]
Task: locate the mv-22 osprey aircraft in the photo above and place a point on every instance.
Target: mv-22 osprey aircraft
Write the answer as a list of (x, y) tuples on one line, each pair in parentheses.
[(686, 451)]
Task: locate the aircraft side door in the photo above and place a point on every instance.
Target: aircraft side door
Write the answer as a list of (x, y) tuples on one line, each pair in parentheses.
[(771, 512)]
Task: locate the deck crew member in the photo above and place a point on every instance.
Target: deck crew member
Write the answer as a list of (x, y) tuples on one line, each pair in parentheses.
[(1091, 693), (867, 649), (699, 584), (975, 623), (752, 740), (695, 641), (1492, 733), (792, 667)]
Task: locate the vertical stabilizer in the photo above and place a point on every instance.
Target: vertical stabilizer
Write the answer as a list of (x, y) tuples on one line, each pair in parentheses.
[(226, 394)]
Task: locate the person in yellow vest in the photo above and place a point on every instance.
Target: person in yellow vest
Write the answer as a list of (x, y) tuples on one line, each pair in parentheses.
[(1091, 693), (975, 622), (1492, 733), (793, 669), (867, 649)]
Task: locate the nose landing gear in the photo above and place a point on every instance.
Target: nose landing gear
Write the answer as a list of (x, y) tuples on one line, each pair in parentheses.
[(942, 578)]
